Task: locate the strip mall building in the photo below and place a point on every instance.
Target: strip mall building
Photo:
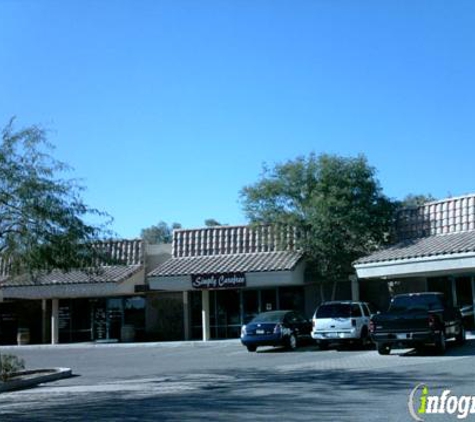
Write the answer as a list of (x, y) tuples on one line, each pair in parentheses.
[(223, 276), (204, 286), (210, 281), (436, 252), (81, 306)]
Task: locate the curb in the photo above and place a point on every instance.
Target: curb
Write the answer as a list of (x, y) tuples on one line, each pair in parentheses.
[(190, 343), (32, 380)]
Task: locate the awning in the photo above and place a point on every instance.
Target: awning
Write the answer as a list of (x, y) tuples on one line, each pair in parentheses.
[(433, 255), (242, 262), (107, 280)]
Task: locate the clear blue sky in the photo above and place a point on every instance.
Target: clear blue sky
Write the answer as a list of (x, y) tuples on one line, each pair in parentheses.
[(166, 109)]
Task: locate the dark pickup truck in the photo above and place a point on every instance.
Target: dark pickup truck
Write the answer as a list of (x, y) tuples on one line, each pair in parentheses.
[(415, 320)]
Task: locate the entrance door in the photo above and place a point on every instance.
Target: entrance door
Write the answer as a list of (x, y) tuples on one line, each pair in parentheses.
[(114, 318), (227, 317), (99, 319)]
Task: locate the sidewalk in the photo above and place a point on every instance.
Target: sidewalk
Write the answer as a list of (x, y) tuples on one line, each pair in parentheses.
[(190, 343)]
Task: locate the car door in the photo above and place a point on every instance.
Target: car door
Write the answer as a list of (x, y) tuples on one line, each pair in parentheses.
[(360, 316), (305, 326), (296, 323)]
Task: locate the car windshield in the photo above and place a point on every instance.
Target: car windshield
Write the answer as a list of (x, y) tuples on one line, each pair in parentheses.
[(334, 310), (269, 317), (416, 303)]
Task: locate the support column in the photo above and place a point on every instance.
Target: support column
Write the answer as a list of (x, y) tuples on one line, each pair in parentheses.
[(355, 288), (54, 321), (473, 297), (44, 321), (454, 291), (205, 314), (186, 315)]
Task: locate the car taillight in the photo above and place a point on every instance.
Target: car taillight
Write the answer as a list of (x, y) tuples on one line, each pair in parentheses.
[(277, 329), (371, 327), (314, 323), (432, 321), (353, 322)]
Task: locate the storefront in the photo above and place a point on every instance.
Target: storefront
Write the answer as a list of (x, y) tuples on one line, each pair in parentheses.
[(102, 319), (108, 304), (226, 275), (436, 252), (230, 309)]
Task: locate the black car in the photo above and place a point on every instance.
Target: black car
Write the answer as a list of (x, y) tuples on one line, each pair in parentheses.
[(276, 328)]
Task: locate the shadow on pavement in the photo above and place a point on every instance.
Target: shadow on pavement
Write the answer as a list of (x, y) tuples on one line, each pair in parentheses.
[(315, 348), (244, 395), (467, 349)]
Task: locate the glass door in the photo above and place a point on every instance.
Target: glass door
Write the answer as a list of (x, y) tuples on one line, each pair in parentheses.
[(228, 317)]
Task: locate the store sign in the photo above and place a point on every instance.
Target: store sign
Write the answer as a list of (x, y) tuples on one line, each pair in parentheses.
[(218, 281)]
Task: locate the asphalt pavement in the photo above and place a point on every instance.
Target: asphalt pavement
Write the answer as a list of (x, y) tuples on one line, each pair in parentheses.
[(195, 381)]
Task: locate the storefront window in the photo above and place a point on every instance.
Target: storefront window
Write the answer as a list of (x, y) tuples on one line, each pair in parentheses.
[(464, 291), (75, 320), (292, 298), (195, 304), (115, 312), (100, 318), (268, 300), (230, 309), (442, 285), (134, 314), (250, 305)]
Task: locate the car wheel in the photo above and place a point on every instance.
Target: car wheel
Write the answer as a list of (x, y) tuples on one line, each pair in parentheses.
[(384, 349), (420, 349), (251, 348), (292, 342), (364, 340), (323, 345), (440, 344), (460, 339)]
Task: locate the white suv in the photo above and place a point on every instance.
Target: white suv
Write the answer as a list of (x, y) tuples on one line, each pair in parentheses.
[(341, 322)]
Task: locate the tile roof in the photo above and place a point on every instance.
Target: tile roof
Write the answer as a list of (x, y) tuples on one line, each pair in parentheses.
[(241, 262), (117, 253), (106, 274), (424, 247)]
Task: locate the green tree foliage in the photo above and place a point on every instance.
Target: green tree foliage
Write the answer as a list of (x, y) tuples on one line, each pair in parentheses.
[(412, 200), (336, 203), (159, 233), (42, 216), (211, 222)]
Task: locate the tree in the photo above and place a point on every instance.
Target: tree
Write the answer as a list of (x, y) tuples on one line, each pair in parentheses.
[(211, 222), (412, 200), (42, 216), (336, 204), (160, 233)]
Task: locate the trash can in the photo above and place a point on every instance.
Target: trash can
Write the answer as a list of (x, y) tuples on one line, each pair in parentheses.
[(23, 336), (127, 333)]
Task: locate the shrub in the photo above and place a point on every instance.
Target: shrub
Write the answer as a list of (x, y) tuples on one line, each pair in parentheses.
[(9, 364)]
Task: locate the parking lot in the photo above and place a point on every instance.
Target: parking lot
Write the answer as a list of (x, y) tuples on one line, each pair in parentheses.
[(222, 381)]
